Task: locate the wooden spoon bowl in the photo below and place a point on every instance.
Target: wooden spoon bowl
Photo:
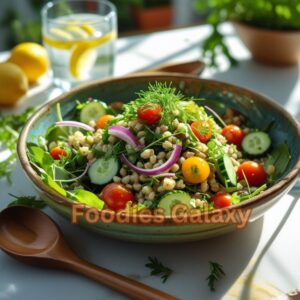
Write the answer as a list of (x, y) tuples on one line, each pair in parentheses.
[(32, 237)]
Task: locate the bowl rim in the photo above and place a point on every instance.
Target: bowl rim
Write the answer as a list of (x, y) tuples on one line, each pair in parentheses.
[(265, 196)]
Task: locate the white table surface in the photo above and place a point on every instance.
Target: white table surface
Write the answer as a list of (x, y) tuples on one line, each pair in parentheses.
[(269, 248)]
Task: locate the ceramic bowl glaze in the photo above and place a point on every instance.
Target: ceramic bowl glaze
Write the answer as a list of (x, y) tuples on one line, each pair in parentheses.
[(259, 109)]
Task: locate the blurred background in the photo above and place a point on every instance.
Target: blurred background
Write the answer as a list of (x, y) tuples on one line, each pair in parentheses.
[(20, 19)]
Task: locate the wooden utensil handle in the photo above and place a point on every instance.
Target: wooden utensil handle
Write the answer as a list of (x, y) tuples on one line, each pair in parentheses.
[(120, 283)]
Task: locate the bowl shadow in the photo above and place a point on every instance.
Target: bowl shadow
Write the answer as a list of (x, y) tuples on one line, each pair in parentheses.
[(190, 261)]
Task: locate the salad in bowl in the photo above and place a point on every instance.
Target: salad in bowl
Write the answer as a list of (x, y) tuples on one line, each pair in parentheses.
[(156, 151)]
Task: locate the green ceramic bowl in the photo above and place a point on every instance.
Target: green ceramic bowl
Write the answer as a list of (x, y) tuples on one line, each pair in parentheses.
[(257, 108)]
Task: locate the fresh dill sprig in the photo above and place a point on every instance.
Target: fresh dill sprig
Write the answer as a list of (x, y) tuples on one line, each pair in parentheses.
[(10, 127), (216, 273), (159, 93), (157, 268), (31, 201)]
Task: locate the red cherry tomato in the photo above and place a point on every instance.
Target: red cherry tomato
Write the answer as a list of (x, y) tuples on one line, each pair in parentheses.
[(254, 172), (149, 113), (116, 196), (233, 134), (221, 200), (57, 152), (202, 130)]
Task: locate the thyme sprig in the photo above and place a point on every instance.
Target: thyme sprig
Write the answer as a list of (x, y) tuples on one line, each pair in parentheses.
[(216, 273), (157, 268)]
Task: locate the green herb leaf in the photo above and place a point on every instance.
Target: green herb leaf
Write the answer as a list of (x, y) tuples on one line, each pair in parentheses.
[(279, 158), (240, 196), (157, 268), (31, 201), (216, 273), (87, 198), (10, 127), (158, 93), (54, 185), (42, 158)]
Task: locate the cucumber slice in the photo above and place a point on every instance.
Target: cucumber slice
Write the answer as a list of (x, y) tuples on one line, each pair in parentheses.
[(172, 198), (256, 143), (103, 170), (92, 111), (226, 170)]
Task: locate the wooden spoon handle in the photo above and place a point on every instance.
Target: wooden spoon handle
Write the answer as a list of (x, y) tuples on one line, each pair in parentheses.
[(120, 283)]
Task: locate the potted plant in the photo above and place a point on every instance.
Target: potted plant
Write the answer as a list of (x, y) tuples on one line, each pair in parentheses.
[(269, 28), (152, 14)]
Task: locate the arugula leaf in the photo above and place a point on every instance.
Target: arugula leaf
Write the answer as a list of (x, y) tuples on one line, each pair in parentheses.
[(55, 133), (10, 127), (42, 158), (31, 201), (216, 273), (87, 198), (158, 268), (279, 158), (54, 185)]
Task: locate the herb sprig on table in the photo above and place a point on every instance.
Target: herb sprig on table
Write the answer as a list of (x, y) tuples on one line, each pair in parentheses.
[(157, 268), (216, 273), (10, 127), (31, 201)]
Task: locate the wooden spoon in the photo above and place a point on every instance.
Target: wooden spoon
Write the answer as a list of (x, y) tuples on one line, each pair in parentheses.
[(194, 68), (31, 236)]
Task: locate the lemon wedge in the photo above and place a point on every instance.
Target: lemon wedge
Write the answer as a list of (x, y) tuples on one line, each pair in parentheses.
[(84, 55), (66, 37), (88, 29), (82, 60), (77, 32)]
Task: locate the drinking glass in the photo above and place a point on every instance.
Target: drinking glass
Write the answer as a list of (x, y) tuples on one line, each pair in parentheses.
[(80, 39)]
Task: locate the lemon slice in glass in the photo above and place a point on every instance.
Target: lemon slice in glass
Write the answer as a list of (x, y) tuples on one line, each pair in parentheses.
[(82, 60), (67, 36), (84, 55)]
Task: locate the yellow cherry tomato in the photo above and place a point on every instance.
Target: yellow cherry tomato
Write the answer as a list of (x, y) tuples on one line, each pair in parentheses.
[(195, 170)]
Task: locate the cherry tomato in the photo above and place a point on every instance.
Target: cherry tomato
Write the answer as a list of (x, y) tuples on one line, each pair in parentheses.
[(195, 169), (221, 200), (116, 196), (233, 134), (57, 152), (254, 172), (202, 130), (102, 121), (149, 113)]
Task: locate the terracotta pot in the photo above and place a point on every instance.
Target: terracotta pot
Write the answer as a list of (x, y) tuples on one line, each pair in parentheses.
[(277, 47), (152, 18)]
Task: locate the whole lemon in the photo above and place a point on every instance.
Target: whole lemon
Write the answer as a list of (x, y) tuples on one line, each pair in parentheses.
[(32, 58), (13, 83)]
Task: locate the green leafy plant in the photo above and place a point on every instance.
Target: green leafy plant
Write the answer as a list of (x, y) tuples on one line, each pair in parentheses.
[(157, 268), (216, 273), (10, 127), (270, 14), (31, 201)]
